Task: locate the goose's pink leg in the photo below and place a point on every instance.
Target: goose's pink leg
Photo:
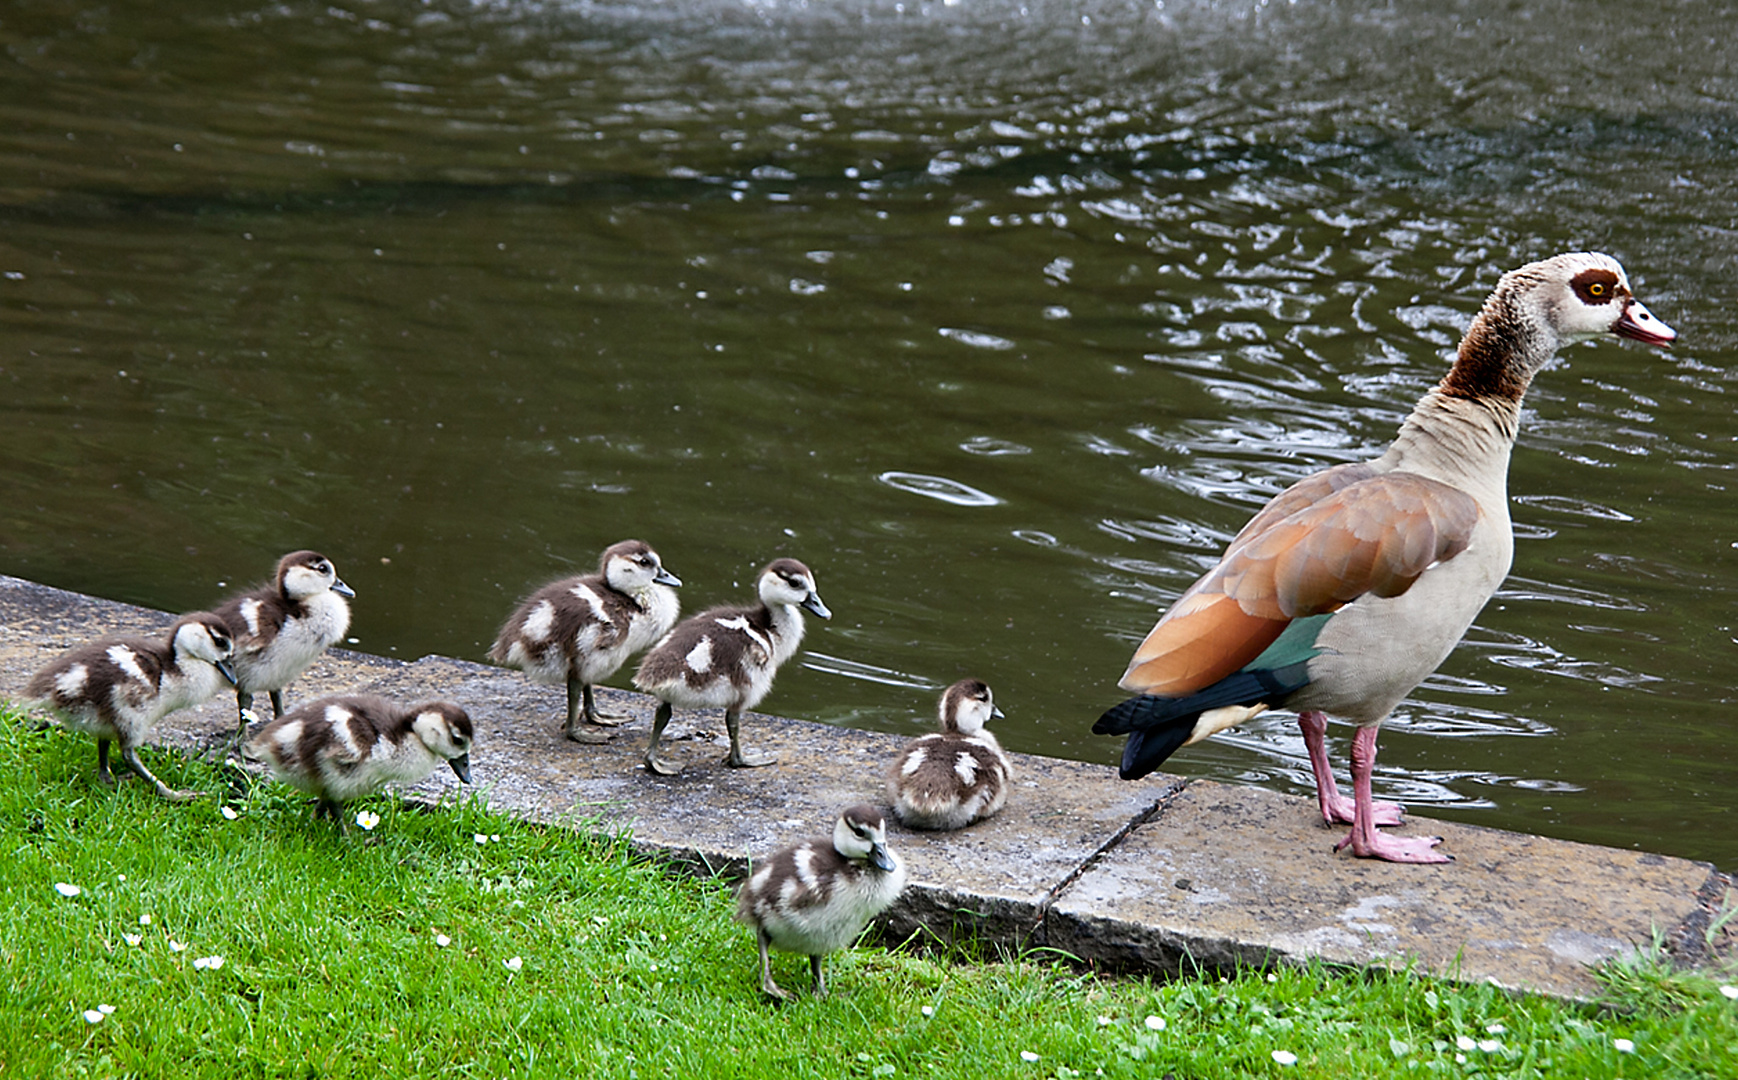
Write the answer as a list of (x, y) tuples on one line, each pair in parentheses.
[(1336, 808), (1364, 839)]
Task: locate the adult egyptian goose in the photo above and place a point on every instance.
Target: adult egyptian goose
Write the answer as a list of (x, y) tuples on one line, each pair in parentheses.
[(816, 896), (726, 658), (958, 775), (1352, 585), (341, 748), (281, 628), (116, 690), (580, 630)]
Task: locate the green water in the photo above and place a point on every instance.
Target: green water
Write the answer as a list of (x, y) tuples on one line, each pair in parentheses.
[(1001, 316)]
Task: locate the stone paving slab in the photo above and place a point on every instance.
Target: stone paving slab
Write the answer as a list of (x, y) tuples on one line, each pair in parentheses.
[(1148, 876), (1228, 874), (990, 880)]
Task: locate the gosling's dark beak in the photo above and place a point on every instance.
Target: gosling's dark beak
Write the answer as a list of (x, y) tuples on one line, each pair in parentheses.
[(881, 859), (226, 669), (342, 589), (461, 767), (812, 602), (666, 578)]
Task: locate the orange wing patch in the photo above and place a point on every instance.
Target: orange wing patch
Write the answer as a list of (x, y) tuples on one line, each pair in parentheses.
[(1318, 545)]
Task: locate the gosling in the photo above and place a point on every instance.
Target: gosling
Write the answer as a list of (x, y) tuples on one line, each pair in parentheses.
[(116, 690), (958, 775), (816, 897), (726, 658), (580, 630), (341, 748), (280, 629)]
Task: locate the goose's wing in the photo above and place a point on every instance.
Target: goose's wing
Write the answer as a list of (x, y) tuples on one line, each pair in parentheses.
[(1318, 545)]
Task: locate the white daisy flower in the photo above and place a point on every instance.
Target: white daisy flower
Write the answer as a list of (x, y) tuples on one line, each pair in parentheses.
[(513, 963), (250, 716), (928, 1010), (1731, 992), (144, 920), (133, 939), (1624, 1046), (1495, 1029), (442, 940), (105, 1009), (1490, 1046), (67, 889), (1105, 1021), (1284, 1057), (1464, 1042), (1027, 1055), (211, 963), (1156, 1023), (91, 1016), (176, 946), (367, 819), (480, 838), (229, 813)]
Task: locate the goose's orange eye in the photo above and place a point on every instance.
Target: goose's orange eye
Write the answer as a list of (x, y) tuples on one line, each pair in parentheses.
[(1596, 290)]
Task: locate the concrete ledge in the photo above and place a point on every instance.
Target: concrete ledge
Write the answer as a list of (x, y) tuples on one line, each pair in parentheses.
[(1156, 876)]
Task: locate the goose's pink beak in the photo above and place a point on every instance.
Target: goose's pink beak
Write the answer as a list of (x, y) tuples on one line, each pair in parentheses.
[(1638, 324)]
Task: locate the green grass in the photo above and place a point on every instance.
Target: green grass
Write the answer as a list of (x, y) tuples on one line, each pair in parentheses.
[(331, 967)]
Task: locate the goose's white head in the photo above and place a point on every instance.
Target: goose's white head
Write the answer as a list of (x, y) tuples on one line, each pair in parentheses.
[(787, 581), (967, 706), (446, 730), (860, 834), (204, 636), (305, 574), (1584, 295), (633, 567), (1537, 309)]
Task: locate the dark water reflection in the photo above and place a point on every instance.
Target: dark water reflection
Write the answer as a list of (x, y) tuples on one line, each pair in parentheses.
[(1003, 316)]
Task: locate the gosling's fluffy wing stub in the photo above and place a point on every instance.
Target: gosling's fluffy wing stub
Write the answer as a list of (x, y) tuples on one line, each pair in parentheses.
[(1372, 533)]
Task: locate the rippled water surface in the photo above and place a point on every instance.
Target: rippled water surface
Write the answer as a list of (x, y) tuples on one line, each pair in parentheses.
[(1003, 316)]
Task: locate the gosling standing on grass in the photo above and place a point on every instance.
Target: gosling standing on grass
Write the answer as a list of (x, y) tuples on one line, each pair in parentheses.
[(958, 775), (116, 690), (341, 748), (726, 658), (579, 630), (815, 897), (281, 628)]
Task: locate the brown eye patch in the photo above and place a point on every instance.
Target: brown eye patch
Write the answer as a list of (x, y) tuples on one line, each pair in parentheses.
[(1595, 286)]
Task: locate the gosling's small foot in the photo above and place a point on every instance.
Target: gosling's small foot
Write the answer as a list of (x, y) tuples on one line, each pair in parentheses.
[(774, 990), (662, 765), (579, 734), (589, 709), (749, 759)]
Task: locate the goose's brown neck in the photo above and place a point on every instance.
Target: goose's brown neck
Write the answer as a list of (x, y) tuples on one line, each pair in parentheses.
[(1499, 354)]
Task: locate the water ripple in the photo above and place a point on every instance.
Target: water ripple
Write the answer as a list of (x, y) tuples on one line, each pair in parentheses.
[(938, 487)]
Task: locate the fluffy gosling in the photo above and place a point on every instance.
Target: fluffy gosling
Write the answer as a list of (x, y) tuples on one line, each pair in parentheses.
[(816, 896)]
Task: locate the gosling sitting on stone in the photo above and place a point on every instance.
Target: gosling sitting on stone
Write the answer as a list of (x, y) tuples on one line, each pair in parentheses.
[(958, 775), (116, 690), (579, 630), (726, 658), (280, 629), (340, 748), (816, 897)]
